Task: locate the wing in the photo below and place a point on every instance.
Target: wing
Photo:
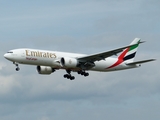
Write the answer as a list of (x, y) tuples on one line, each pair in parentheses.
[(103, 55)]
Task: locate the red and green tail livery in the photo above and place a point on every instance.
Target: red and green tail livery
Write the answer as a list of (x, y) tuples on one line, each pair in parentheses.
[(128, 54)]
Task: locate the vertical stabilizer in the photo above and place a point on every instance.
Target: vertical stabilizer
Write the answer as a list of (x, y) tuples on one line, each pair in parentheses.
[(129, 53)]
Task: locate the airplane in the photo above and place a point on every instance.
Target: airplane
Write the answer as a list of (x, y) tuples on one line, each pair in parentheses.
[(48, 62)]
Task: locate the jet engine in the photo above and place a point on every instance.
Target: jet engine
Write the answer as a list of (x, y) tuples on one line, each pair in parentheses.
[(46, 70), (69, 62)]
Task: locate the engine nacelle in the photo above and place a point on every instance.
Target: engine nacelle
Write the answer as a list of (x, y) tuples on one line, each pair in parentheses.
[(69, 62), (46, 70)]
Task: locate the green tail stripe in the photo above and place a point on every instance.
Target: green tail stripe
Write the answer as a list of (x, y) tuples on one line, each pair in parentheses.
[(134, 46)]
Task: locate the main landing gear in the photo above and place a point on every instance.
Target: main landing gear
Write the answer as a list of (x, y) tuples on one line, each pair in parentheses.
[(17, 66), (69, 76), (82, 72)]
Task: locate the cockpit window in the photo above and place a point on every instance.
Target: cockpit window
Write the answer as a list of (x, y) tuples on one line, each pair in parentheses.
[(10, 52)]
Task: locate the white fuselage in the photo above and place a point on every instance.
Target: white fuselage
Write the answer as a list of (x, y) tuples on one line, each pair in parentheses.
[(53, 59), (48, 62)]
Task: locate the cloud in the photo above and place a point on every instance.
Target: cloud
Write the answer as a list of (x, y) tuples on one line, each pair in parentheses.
[(34, 87), (43, 94)]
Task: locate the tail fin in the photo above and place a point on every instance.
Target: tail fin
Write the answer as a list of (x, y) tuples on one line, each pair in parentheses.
[(129, 53)]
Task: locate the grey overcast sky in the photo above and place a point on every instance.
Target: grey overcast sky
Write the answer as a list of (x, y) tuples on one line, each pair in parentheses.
[(81, 26)]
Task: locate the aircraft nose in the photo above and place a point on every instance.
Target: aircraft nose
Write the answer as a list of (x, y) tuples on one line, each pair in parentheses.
[(7, 56)]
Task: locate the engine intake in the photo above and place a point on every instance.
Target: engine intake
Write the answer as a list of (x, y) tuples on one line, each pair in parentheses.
[(69, 62), (46, 70)]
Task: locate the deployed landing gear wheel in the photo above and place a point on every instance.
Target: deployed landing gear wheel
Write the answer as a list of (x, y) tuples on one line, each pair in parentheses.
[(83, 73), (72, 78), (69, 76), (17, 69), (86, 74), (65, 76)]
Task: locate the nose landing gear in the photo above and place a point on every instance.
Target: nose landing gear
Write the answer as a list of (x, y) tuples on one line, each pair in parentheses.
[(17, 66)]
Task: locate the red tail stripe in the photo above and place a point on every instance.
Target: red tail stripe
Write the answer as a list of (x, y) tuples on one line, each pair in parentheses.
[(120, 58)]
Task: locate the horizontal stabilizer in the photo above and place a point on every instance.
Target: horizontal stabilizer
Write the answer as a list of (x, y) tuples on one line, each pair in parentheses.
[(140, 62)]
